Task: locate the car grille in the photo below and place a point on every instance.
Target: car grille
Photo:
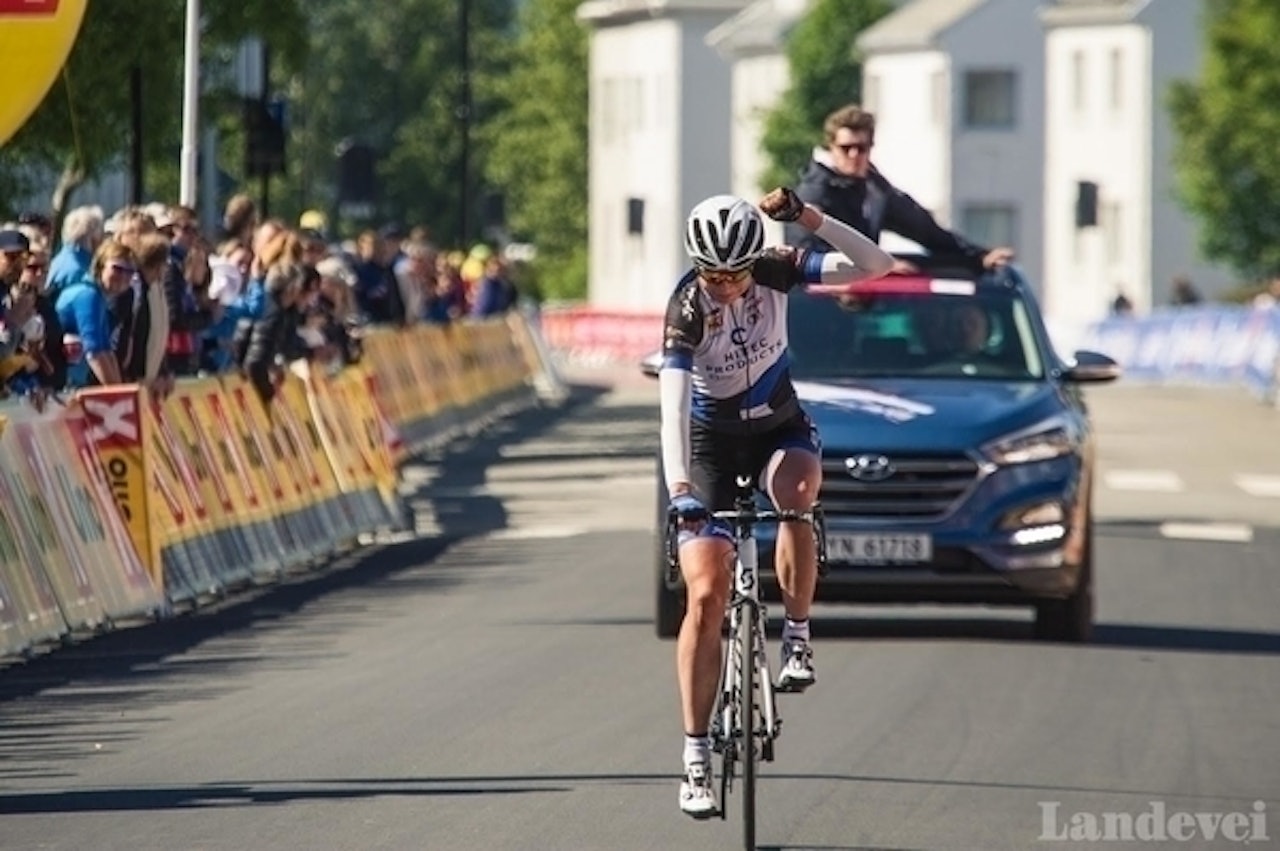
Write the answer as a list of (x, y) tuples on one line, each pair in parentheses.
[(920, 486)]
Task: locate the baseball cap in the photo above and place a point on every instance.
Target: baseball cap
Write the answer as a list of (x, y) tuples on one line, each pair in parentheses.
[(14, 240)]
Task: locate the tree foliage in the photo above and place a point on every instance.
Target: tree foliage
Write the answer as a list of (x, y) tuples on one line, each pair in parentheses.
[(538, 145), (82, 127), (393, 81), (1227, 126), (826, 73)]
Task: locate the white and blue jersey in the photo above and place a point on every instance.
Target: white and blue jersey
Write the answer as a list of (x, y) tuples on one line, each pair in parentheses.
[(737, 353)]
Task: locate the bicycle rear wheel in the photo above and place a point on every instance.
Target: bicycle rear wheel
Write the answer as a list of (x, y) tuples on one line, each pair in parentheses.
[(747, 725)]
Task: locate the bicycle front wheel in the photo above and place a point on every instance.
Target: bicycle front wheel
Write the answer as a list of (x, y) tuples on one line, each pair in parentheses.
[(747, 723)]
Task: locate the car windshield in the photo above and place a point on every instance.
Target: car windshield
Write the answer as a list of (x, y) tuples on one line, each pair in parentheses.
[(988, 335)]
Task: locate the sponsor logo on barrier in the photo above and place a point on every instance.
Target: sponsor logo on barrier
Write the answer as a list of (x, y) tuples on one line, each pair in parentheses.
[(202, 457), (170, 499), (115, 421), (232, 446), (167, 448), (257, 453)]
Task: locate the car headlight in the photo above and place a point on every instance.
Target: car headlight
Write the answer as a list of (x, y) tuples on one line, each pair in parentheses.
[(1047, 439)]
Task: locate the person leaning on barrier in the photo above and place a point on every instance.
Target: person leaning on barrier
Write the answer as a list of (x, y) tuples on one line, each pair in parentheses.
[(83, 310), (841, 182), (728, 407), (271, 337)]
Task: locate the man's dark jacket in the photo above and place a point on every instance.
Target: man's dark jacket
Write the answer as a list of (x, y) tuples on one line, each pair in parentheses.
[(871, 205)]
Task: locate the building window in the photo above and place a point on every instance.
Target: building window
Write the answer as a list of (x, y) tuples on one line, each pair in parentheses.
[(989, 98), (1077, 81), (990, 224), (1117, 78), (1111, 220), (938, 98)]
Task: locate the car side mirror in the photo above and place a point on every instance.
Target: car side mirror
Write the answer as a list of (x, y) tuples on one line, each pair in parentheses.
[(1091, 368), (651, 365)]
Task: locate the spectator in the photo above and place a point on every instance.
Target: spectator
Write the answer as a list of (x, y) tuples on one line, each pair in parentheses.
[(16, 307), (240, 219), (43, 338), (1183, 293), (377, 291), (272, 336), (1269, 297), (229, 272), (150, 363), (841, 181), (494, 292), (82, 310), (82, 233)]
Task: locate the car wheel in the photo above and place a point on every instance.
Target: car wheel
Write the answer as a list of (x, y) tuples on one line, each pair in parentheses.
[(669, 608), (1070, 620)]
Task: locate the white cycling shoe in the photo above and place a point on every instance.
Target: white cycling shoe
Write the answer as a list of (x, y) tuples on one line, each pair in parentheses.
[(697, 793), (796, 673)]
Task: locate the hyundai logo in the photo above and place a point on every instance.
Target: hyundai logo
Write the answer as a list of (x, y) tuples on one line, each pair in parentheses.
[(869, 468)]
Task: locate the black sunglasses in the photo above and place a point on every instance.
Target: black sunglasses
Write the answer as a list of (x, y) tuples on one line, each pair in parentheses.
[(860, 147)]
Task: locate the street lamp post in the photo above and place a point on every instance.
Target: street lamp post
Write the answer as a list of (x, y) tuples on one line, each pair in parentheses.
[(190, 106)]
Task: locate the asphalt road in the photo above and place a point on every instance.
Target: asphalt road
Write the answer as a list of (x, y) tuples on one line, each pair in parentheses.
[(494, 682)]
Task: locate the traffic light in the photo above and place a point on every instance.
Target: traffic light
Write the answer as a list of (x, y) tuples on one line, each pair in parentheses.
[(264, 137)]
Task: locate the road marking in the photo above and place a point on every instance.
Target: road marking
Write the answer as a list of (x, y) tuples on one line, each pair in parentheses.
[(1144, 480), (541, 532), (1239, 533), (1255, 485)]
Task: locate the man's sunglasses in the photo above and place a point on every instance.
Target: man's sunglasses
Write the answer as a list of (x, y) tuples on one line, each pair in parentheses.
[(714, 278), (855, 147)]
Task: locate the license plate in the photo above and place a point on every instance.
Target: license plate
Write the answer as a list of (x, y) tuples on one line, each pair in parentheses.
[(879, 548)]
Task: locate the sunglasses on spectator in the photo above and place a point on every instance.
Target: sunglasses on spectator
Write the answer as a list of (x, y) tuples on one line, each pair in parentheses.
[(855, 147), (714, 278), (36, 267), (123, 267)]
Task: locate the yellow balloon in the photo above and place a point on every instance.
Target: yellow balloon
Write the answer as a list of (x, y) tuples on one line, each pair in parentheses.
[(35, 40)]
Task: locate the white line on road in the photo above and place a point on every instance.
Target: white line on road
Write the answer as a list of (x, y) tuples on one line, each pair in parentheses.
[(1144, 480), (1239, 533), (1255, 485), (541, 532)]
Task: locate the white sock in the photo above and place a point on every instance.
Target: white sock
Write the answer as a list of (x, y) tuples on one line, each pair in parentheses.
[(793, 629), (696, 749)]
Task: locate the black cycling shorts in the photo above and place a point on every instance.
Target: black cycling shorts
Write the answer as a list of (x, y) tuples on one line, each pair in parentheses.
[(717, 458)]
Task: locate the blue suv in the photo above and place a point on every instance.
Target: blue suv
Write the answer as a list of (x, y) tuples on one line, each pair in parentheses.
[(957, 457)]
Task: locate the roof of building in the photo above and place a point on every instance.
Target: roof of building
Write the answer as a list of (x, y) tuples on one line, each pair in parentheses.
[(1087, 12), (760, 28), (916, 26), (612, 12)]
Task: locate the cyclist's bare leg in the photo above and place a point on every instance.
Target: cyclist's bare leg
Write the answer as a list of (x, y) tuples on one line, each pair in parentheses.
[(705, 564), (792, 481)]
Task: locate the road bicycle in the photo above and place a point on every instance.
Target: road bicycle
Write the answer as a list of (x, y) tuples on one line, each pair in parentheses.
[(745, 722)]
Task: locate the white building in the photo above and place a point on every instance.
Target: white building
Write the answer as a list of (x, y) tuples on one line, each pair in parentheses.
[(956, 87), (752, 42), (1109, 64), (659, 140)]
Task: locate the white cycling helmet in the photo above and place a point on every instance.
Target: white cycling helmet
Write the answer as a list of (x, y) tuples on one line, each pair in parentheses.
[(724, 233)]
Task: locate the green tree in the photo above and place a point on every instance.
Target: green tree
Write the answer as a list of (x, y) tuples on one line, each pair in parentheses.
[(1227, 125), (538, 144), (82, 128), (826, 73), (393, 81)]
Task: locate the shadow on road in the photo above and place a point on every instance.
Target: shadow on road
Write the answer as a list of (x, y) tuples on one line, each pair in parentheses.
[(67, 703), (254, 792), (1108, 635)]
